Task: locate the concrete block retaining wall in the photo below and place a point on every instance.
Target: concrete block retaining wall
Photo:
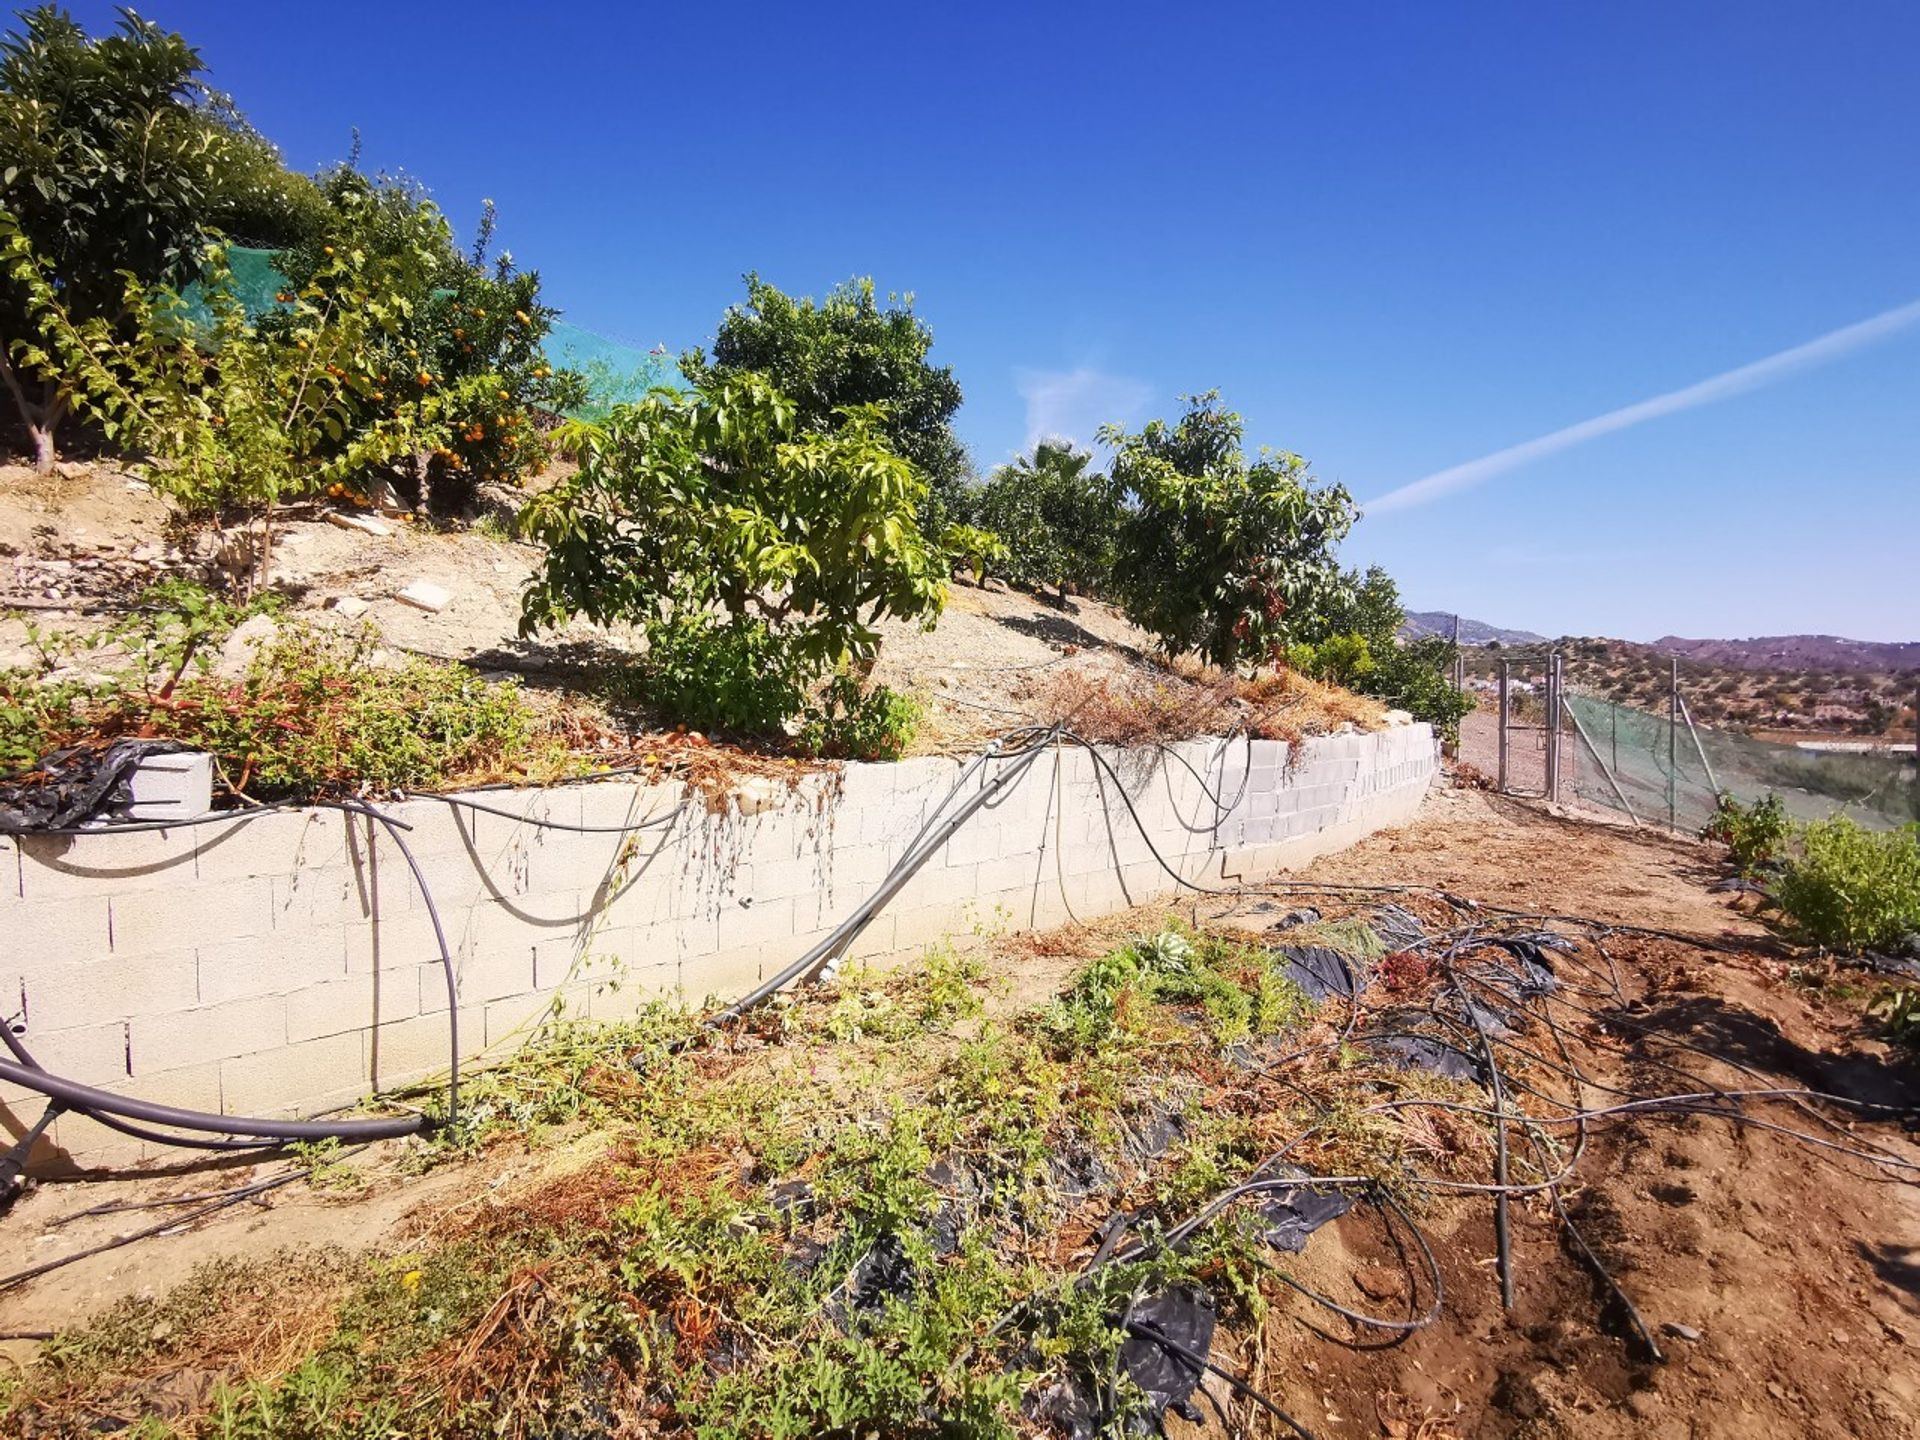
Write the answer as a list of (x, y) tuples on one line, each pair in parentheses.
[(286, 964)]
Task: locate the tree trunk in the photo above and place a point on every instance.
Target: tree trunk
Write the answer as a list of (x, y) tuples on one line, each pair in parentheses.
[(41, 418)]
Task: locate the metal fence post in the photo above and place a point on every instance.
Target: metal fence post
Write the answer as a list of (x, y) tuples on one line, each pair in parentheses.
[(1673, 751), (1552, 726), (1506, 718)]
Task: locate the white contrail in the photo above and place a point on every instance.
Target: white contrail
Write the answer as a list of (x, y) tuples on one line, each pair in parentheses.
[(1830, 346)]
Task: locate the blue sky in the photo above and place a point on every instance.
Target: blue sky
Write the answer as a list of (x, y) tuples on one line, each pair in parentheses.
[(1398, 237)]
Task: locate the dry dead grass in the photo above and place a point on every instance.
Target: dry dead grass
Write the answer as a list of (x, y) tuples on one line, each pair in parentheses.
[(1185, 699)]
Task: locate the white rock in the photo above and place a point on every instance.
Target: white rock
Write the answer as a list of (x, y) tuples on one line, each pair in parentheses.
[(365, 524), (243, 644), (1399, 717), (350, 607), (425, 595)]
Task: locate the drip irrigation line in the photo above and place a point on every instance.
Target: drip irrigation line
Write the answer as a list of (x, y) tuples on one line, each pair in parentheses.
[(231, 1198), (1502, 1221), (933, 833)]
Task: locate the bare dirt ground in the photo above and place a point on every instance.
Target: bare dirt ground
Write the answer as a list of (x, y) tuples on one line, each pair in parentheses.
[(1781, 1280)]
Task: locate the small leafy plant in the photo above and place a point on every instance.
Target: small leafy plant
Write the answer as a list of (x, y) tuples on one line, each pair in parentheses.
[(1755, 835)]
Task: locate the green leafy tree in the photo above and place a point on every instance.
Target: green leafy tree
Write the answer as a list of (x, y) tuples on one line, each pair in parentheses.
[(1214, 553), (116, 160), (1056, 517), (757, 552), (849, 349)]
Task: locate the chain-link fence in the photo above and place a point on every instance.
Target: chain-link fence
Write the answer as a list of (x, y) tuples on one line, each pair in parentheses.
[(1665, 769)]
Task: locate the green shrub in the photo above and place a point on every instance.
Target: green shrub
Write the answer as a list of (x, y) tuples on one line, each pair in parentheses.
[(1339, 660), (1755, 835), (851, 724), (1850, 888), (317, 712), (716, 676)]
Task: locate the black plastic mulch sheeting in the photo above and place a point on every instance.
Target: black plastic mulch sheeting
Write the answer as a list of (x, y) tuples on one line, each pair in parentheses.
[(1288, 1217), (70, 786), (1397, 928), (1321, 971), (1183, 1314)]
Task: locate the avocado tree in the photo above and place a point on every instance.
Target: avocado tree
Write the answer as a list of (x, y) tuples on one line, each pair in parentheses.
[(757, 552), (1215, 553), (117, 161)]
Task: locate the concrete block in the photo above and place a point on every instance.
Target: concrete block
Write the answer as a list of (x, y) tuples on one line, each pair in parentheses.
[(280, 844), (191, 1087), (92, 1054), (404, 1050), (276, 964), (725, 976), (501, 927), (55, 866), (261, 1083), (60, 997), (355, 1002), (764, 922), (399, 941), (146, 921), (491, 974), (54, 932), (806, 875), (213, 1032)]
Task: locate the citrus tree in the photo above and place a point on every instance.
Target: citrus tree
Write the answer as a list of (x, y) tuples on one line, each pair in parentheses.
[(756, 552), (227, 415), (473, 326), (850, 349), (1215, 552)]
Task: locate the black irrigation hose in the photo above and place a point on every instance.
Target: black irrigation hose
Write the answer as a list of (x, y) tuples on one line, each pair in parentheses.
[(88, 1100), (933, 833), (463, 803)]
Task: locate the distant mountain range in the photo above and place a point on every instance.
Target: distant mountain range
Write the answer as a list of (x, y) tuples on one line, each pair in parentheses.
[(1832, 654), (1798, 652), (1472, 632)]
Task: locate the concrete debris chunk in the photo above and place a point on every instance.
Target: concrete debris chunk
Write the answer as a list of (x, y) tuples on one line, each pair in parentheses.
[(425, 595), (365, 524), (348, 607)]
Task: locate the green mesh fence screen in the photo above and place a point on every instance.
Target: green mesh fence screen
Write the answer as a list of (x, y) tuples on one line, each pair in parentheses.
[(617, 373), (1875, 787)]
